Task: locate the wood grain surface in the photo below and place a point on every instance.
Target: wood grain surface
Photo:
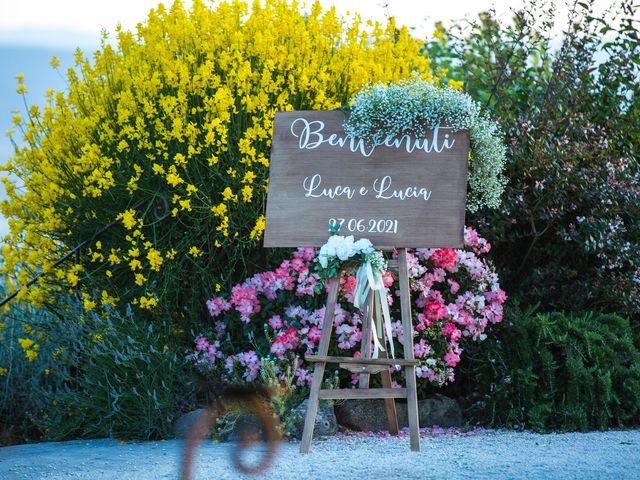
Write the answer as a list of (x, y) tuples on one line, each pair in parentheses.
[(309, 164)]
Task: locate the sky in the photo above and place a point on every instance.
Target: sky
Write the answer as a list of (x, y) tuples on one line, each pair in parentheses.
[(32, 31), (71, 23)]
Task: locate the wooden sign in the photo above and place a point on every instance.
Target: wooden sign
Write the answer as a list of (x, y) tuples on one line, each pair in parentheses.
[(401, 192)]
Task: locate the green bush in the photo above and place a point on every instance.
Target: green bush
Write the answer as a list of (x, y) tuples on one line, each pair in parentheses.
[(570, 108), (24, 381), (121, 378), (89, 376), (556, 371)]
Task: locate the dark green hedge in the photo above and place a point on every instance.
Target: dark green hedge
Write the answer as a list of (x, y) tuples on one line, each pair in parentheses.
[(556, 371)]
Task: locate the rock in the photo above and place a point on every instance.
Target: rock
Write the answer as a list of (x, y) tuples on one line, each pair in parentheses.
[(185, 423), (326, 422), (370, 416), (245, 425), (363, 415), (438, 410)]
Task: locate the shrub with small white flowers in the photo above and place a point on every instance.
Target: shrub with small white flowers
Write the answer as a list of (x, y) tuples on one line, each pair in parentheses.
[(413, 106)]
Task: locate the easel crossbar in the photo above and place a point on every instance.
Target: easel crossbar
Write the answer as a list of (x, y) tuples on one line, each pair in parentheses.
[(360, 360), (356, 393)]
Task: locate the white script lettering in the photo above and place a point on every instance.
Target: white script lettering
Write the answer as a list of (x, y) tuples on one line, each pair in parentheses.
[(383, 190), (310, 136)]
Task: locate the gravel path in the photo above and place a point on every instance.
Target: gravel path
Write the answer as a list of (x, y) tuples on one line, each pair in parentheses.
[(475, 455)]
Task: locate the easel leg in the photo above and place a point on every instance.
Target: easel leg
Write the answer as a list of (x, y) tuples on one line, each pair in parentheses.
[(410, 371), (365, 343), (318, 372), (389, 403)]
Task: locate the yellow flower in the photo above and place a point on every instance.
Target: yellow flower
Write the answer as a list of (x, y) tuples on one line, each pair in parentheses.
[(180, 160), (31, 355), (148, 302), (140, 279), (25, 343), (247, 193), (228, 194), (128, 218), (256, 233), (249, 177), (108, 299), (3, 371), (55, 62), (195, 251), (171, 254), (72, 279), (88, 303), (185, 204), (155, 259), (113, 257), (456, 85), (219, 210)]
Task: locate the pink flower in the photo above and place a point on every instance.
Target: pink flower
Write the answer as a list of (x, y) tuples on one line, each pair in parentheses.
[(281, 298), (217, 305), (447, 329), (201, 342), (285, 341), (251, 362), (434, 311), (306, 253), (348, 285), (314, 334), (303, 377), (245, 300), (451, 358), (444, 257), (498, 296), (421, 349), (275, 322), (387, 279)]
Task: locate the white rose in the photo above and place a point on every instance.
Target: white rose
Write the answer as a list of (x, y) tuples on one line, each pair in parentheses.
[(322, 256), (363, 246), (345, 249)]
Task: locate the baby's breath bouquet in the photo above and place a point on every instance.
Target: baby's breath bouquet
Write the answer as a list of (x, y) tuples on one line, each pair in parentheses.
[(414, 106)]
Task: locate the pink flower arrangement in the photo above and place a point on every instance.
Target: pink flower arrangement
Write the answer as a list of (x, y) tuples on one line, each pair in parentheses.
[(278, 314)]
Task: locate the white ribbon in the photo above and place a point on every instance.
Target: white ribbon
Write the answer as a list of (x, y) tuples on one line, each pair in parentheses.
[(369, 281)]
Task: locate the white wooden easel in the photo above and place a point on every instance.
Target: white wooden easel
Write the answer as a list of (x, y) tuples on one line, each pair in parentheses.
[(365, 365)]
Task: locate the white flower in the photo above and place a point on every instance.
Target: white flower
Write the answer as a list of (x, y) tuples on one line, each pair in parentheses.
[(363, 246), (323, 257), (344, 249)]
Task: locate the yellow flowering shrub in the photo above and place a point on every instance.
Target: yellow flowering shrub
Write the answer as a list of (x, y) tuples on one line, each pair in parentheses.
[(167, 134)]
